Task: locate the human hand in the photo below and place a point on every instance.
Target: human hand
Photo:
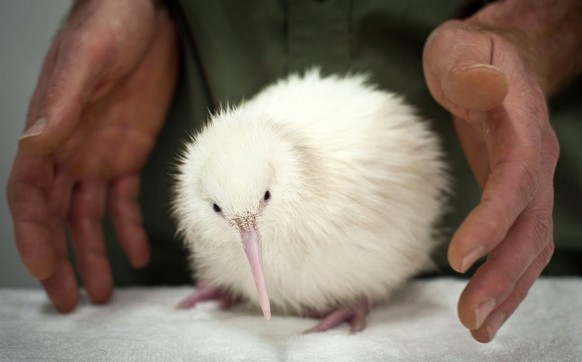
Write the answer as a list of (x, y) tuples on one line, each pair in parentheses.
[(490, 81), (100, 101)]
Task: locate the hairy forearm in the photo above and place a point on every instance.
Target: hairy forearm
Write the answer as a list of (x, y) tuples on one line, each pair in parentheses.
[(548, 31)]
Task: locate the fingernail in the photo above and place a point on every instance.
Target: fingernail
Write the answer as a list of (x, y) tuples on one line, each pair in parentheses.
[(475, 87), (471, 257), (36, 129), (494, 324), (483, 311)]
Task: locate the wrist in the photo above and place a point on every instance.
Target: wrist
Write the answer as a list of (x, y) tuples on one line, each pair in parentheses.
[(548, 33)]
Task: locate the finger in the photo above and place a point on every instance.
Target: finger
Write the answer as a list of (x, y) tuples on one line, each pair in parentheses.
[(35, 213), (86, 226), (513, 143), (39, 196), (499, 286), (77, 61), (458, 68), (61, 287), (525, 250), (496, 279), (127, 221), (499, 315), (32, 236)]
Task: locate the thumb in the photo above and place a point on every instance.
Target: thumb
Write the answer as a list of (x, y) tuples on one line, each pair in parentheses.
[(68, 77), (458, 68)]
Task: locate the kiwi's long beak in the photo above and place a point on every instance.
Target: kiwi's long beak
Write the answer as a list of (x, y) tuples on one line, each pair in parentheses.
[(252, 245)]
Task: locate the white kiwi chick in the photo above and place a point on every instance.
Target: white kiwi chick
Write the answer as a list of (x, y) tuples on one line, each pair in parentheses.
[(319, 196)]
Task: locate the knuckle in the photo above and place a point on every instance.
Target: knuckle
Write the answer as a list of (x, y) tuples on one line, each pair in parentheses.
[(10, 192), (493, 229), (542, 229), (528, 181), (552, 148), (546, 255), (79, 217), (509, 278), (99, 42)]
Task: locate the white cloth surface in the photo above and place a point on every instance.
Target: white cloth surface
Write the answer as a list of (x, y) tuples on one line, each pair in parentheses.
[(418, 324)]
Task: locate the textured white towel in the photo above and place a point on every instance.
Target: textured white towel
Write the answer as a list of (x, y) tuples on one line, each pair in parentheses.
[(418, 324)]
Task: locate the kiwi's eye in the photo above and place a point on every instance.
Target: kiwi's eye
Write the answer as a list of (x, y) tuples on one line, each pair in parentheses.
[(216, 208), (267, 196)]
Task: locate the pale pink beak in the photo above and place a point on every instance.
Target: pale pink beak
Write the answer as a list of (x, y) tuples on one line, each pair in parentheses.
[(252, 245)]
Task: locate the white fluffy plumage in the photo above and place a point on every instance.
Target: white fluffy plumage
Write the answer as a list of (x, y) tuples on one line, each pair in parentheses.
[(342, 182)]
